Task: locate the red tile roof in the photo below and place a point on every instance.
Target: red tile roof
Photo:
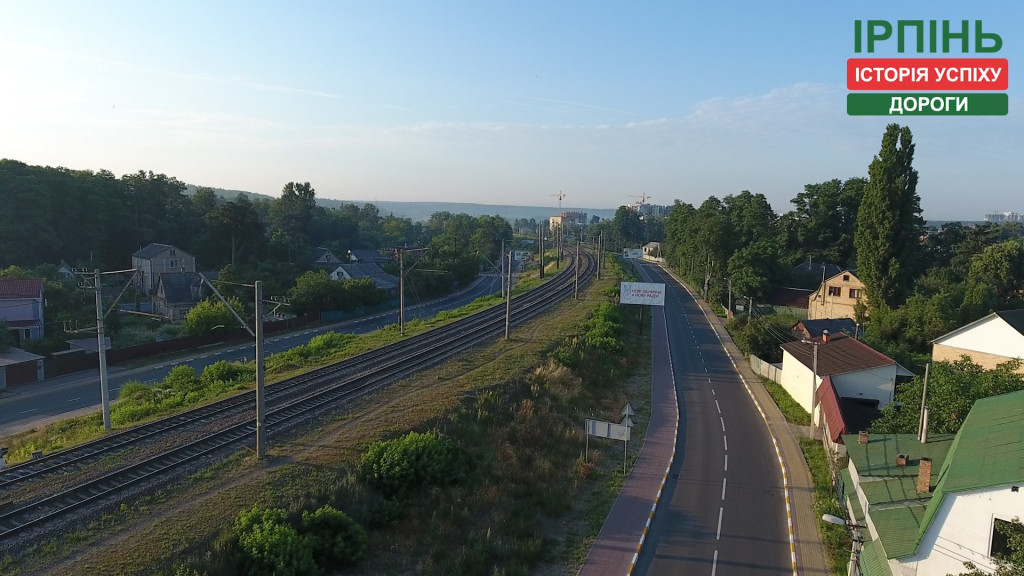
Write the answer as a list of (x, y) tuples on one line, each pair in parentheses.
[(13, 288), (841, 354)]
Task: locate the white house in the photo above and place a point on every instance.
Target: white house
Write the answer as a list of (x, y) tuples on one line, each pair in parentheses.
[(988, 342), (21, 307), (855, 369), (929, 507), (156, 259)]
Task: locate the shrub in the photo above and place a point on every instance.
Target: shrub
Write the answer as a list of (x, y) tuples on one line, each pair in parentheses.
[(335, 539), (403, 464), (227, 372), (270, 545)]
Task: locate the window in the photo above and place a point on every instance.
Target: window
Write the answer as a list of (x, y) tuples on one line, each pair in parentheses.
[(846, 277), (172, 252), (1000, 538), (854, 292), (172, 263), (835, 291)]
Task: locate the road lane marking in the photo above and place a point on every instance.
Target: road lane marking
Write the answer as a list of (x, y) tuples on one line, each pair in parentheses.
[(27, 411), (717, 406), (718, 535), (726, 462), (74, 399), (726, 440), (723, 423), (714, 564), (723, 498)]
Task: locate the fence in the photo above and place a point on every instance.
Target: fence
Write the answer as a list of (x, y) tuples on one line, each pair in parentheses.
[(770, 371)]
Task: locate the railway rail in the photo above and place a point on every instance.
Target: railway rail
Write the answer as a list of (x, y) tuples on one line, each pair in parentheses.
[(289, 402)]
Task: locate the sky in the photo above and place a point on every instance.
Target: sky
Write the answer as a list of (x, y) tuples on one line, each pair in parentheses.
[(497, 102)]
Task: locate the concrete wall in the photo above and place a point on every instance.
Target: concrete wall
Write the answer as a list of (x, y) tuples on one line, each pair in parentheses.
[(797, 380), (872, 384), (991, 335)]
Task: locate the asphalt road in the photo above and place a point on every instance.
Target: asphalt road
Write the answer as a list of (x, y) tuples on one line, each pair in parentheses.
[(723, 508), (26, 406)]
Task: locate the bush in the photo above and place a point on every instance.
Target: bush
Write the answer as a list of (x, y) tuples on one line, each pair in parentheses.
[(271, 546), (335, 539), (403, 464), (228, 373)]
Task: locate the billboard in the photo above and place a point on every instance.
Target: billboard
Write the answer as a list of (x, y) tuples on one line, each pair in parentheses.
[(651, 293), (632, 253), (607, 430)]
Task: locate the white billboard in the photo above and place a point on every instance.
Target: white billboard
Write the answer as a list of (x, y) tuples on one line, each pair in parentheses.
[(603, 429), (632, 253), (650, 293)]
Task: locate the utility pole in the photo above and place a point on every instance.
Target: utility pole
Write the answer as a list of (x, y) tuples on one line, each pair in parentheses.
[(729, 313), (508, 299), (922, 422), (814, 379), (600, 254), (104, 392)]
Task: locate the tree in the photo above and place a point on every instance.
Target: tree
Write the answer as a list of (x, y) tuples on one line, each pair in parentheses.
[(209, 315), (315, 291), (889, 223), (996, 278), (823, 223), (237, 221), (335, 539)]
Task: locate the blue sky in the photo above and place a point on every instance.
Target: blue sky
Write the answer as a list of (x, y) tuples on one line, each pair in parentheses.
[(491, 102)]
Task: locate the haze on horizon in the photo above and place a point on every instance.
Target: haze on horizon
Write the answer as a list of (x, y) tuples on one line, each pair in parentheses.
[(497, 103)]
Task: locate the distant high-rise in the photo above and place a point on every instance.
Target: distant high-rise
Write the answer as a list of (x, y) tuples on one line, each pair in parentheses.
[(1003, 217)]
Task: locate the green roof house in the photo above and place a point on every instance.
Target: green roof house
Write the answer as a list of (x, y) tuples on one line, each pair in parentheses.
[(929, 507)]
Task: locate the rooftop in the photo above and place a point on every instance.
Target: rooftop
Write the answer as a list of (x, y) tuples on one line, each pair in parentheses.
[(12, 288), (841, 354)]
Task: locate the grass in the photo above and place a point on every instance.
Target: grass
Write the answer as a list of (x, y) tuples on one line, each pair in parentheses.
[(521, 504), (834, 537), (794, 413)]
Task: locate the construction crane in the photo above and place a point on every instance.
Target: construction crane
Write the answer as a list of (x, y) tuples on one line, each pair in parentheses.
[(643, 198), (560, 195)]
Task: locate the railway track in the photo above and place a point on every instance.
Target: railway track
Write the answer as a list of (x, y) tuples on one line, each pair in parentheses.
[(289, 402)]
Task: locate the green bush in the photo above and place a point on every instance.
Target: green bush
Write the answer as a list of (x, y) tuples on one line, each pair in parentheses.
[(328, 343), (271, 546), (227, 372), (401, 465), (334, 537)]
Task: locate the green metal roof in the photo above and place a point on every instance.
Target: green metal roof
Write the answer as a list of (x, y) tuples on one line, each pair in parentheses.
[(872, 560), (887, 490), (877, 458), (988, 451), (898, 525)]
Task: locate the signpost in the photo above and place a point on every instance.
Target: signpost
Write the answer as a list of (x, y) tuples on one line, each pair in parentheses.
[(620, 431)]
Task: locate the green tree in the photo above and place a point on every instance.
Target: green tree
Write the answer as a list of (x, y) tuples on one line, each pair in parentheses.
[(210, 315), (401, 465), (315, 291), (952, 389), (889, 223), (236, 222), (823, 222), (996, 278)]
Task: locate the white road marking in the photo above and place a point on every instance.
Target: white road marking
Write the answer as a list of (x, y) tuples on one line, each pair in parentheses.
[(74, 399), (726, 440), (726, 462), (717, 406), (718, 535), (27, 411), (723, 497), (714, 564), (723, 423)]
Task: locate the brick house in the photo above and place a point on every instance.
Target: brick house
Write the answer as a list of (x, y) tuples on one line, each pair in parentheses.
[(988, 342), (155, 259), (836, 297)]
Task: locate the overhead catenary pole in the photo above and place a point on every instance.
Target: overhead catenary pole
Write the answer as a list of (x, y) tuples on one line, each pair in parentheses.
[(922, 422), (508, 298), (261, 408), (814, 381), (401, 292), (576, 278), (104, 385), (600, 246), (540, 235)]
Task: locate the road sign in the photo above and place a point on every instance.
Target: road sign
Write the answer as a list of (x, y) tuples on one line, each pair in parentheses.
[(603, 429), (628, 410), (627, 422)]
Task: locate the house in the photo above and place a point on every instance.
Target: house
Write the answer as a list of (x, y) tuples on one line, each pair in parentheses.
[(384, 281), (988, 342), (928, 507), (155, 259), (836, 297), (817, 269), (324, 259), (809, 329), (652, 251), (177, 293), (367, 256), (856, 370), (65, 271), (21, 307), (841, 415)]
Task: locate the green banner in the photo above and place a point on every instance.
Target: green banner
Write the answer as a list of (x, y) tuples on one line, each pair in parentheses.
[(926, 104)]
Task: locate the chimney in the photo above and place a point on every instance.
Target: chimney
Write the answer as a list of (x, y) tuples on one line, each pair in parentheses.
[(824, 335), (862, 438), (924, 476), (901, 459)]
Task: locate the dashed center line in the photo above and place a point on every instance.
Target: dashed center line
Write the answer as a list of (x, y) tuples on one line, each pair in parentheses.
[(717, 406), (723, 423), (726, 462), (74, 399), (718, 535), (27, 411), (723, 494), (726, 441)]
